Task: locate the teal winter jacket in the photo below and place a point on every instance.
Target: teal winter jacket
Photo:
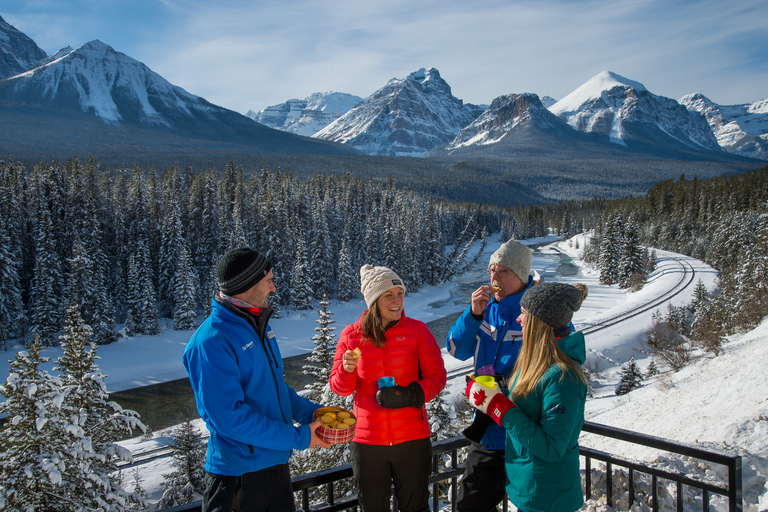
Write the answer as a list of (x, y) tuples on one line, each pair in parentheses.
[(542, 448), (237, 377)]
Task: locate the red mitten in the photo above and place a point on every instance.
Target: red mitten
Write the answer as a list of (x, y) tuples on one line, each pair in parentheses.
[(491, 401)]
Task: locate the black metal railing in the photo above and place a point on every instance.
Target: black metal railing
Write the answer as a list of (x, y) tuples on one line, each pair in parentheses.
[(732, 489), (450, 473)]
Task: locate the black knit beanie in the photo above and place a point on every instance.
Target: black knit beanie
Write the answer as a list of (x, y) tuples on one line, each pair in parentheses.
[(240, 269), (554, 303)]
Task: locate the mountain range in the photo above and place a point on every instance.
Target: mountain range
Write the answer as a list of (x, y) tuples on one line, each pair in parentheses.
[(307, 116), (611, 136), (96, 100)]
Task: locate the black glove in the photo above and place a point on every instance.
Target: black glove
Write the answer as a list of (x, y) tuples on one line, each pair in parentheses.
[(397, 397), (480, 424)]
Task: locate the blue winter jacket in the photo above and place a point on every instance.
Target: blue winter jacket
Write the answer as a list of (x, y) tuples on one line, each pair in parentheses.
[(495, 340), (240, 393)]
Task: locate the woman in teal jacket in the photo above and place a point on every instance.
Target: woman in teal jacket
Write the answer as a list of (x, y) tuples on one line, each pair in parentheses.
[(548, 391)]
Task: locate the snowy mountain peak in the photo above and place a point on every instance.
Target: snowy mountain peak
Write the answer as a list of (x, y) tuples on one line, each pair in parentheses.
[(105, 82), (18, 53), (627, 113), (308, 116), (594, 89), (739, 129), (406, 117), (504, 114)]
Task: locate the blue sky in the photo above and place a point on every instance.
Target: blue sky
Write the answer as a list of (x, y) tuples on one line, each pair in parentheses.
[(249, 54)]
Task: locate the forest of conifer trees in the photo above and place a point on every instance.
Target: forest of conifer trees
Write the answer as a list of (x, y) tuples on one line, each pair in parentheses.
[(721, 221), (135, 246)]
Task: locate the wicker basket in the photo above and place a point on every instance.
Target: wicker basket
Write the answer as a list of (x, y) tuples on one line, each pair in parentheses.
[(331, 434)]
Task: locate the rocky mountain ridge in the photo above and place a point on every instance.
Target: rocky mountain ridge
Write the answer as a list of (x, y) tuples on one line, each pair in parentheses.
[(406, 117), (739, 129), (308, 116)]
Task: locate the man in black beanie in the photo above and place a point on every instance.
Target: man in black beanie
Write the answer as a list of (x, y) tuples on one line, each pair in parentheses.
[(236, 371)]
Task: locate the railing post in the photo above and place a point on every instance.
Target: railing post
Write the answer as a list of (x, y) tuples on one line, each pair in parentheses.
[(734, 486), (609, 484)]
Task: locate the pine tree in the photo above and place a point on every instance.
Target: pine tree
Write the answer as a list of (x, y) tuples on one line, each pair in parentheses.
[(321, 358), (630, 272), (319, 391), (138, 501), (610, 251), (95, 422), (31, 465), (46, 283), (186, 482), (301, 289), (631, 377), (652, 371), (11, 303), (86, 288), (349, 283), (184, 313)]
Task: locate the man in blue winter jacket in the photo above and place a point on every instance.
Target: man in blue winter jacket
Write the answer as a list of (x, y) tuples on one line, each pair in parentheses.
[(236, 371), (488, 331)]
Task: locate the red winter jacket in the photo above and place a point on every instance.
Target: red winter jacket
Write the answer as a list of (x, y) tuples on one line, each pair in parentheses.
[(410, 354)]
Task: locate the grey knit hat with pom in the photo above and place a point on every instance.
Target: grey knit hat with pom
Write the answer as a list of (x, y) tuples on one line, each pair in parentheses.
[(554, 303)]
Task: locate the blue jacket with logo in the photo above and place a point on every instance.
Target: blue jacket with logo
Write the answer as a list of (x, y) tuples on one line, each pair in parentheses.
[(238, 383), (495, 340)]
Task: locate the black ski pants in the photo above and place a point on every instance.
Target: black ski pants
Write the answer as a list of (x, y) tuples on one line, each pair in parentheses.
[(408, 465), (267, 490), (483, 486)]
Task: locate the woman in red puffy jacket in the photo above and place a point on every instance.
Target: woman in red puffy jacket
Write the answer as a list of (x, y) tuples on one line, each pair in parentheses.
[(391, 444)]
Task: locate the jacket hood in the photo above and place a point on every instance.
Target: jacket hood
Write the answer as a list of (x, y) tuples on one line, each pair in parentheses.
[(574, 347)]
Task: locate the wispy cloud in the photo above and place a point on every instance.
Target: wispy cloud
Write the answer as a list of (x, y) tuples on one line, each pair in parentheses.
[(248, 55)]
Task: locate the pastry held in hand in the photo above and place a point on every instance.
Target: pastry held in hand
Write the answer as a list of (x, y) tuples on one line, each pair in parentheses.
[(357, 354)]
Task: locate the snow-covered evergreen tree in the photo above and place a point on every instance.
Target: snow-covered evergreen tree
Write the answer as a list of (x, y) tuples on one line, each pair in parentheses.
[(652, 370), (95, 423), (139, 500), (631, 377), (319, 366), (31, 464), (86, 287), (321, 359), (184, 312), (47, 280), (11, 302), (631, 264), (610, 250), (349, 282), (185, 483), (301, 288)]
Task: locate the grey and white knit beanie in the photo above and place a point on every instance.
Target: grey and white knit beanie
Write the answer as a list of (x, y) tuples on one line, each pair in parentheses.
[(376, 280), (516, 257), (554, 303)]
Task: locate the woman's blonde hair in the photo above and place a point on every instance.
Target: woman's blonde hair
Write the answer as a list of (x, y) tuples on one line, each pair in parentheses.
[(372, 327), (538, 353)]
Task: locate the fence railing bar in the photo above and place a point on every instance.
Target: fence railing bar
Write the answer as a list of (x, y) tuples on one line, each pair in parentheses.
[(302, 484)]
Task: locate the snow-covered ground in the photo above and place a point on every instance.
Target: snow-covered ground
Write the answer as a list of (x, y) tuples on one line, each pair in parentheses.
[(717, 403)]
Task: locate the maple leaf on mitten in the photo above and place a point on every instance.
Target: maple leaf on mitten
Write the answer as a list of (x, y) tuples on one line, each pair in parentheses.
[(491, 401)]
